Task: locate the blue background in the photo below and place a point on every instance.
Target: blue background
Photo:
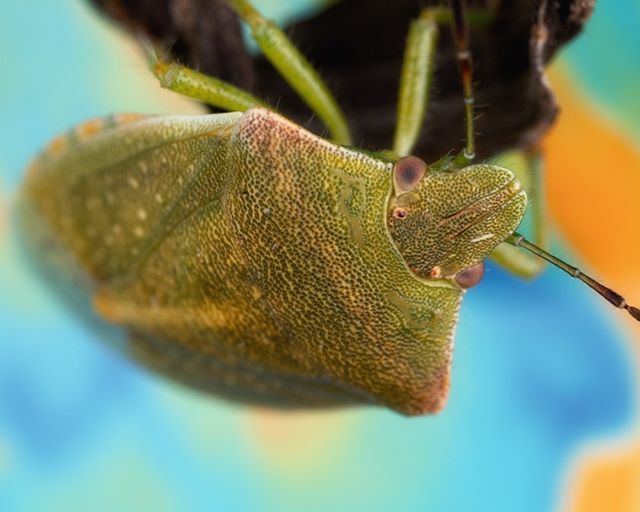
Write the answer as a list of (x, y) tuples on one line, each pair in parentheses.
[(541, 368)]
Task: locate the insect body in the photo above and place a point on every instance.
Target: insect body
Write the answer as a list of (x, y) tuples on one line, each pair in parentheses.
[(260, 253), (249, 257)]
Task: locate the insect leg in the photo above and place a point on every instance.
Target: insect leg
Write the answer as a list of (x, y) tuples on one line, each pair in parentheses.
[(417, 71), (516, 261), (465, 64), (295, 69), (536, 198), (198, 86), (415, 81)]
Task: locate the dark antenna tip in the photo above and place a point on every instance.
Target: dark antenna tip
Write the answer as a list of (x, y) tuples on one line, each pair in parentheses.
[(611, 296), (634, 312)]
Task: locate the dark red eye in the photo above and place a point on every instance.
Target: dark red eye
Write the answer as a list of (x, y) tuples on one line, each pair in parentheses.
[(407, 173), (471, 276)]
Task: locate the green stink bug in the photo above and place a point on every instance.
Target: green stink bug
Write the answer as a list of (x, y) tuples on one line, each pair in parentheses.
[(247, 256)]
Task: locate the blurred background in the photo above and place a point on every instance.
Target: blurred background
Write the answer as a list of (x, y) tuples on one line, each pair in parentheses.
[(543, 406)]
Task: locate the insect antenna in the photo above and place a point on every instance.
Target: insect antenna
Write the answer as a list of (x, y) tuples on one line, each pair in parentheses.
[(614, 298), (460, 27)]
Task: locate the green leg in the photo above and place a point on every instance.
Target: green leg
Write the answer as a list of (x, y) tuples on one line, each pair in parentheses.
[(460, 28), (510, 257), (538, 207), (295, 69), (417, 71), (415, 81), (206, 89)]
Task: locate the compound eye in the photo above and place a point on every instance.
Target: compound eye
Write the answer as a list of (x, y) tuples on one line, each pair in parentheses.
[(407, 173), (471, 276)]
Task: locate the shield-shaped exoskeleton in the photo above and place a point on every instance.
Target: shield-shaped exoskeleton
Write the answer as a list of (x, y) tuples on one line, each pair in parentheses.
[(244, 255)]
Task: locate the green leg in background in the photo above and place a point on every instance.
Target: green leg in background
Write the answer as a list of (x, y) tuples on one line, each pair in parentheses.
[(295, 69), (417, 71), (284, 56), (204, 88), (513, 259), (415, 81)]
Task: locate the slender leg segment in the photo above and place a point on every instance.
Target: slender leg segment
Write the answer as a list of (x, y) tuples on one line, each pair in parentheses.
[(207, 89), (460, 28), (537, 199), (611, 296), (517, 262), (417, 71), (415, 81), (295, 69), (520, 263)]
